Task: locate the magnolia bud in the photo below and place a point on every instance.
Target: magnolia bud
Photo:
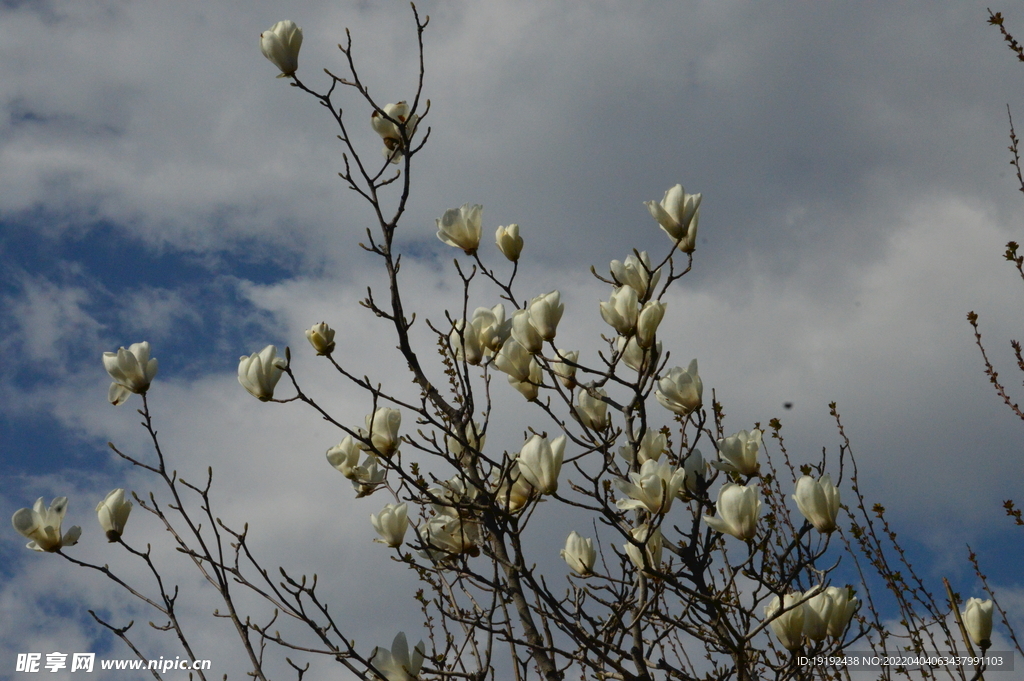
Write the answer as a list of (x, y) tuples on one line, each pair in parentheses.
[(579, 553), (789, 626), (621, 310), (509, 242), (845, 605), (592, 410), (540, 462), (382, 430), (817, 614), (649, 552), (545, 313), (678, 214), (566, 372), (391, 524), (978, 621), (647, 322), (281, 46), (112, 513), (818, 500), (321, 337)]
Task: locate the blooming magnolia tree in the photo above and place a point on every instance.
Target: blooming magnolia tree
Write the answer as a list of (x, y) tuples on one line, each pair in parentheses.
[(697, 556)]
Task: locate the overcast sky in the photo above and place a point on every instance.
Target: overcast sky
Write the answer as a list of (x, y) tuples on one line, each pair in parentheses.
[(158, 183)]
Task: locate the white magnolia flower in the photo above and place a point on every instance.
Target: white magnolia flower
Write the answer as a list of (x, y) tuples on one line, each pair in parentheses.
[(515, 491), (281, 46), (465, 342), (681, 390), (453, 496), (382, 430), (579, 554), (592, 411), (635, 357), (738, 509), (636, 273), (620, 312), (978, 621), (391, 524), (545, 313), (492, 326), (818, 500), (566, 370), (647, 322), (696, 470), (524, 374), (112, 514), (259, 372), (649, 556), (817, 613), (461, 227), (653, 488), (447, 535), (845, 604), (530, 387), (389, 130), (367, 477), (484, 335), (678, 214), (739, 453), (650, 448), (509, 242), (525, 333), (42, 525), (398, 664), (540, 462), (789, 625), (321, 337), (345, 456), (131, 369), (514, 360), (475, 438)]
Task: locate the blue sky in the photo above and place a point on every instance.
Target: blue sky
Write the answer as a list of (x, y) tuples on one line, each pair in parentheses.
[(160, 184)]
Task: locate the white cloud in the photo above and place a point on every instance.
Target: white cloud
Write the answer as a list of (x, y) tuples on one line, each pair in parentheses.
[(48, 317), (155, 312)]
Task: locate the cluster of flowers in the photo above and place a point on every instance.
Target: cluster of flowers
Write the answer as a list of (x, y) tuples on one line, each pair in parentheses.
[(515, 346), (814, 614), (379, 438), (42, 525), (534, 471), (515, 343), (132, 370), (448, 532), (818, 613)]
